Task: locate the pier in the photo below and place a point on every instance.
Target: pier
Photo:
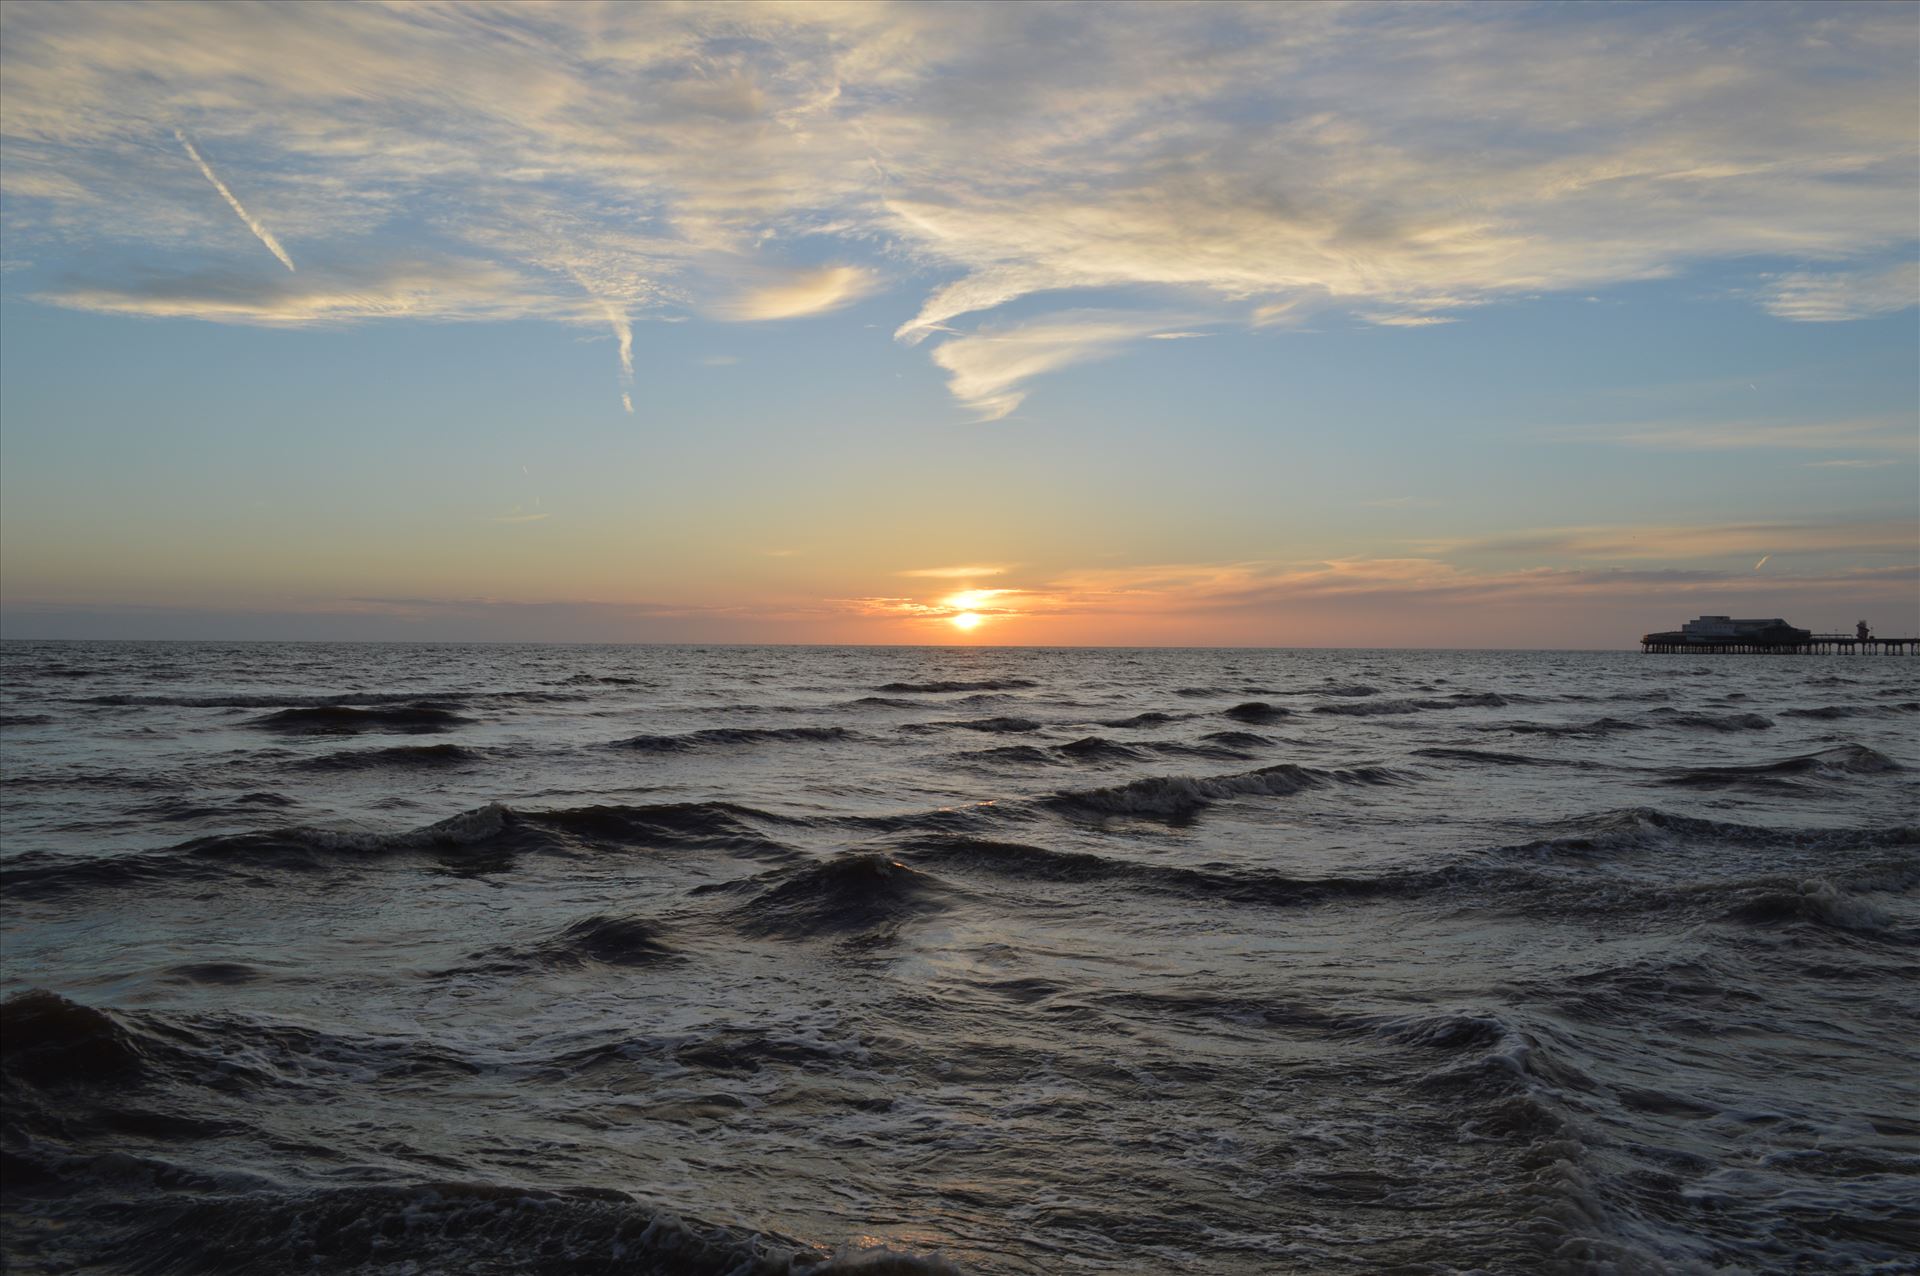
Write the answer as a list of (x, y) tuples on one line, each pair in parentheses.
[(1774, 636), (1813, 644)]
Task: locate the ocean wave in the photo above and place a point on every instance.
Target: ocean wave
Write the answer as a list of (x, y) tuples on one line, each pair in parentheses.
[(62, 1049), (1237, 740), (1816, 900), (399, 757), (1377, 708), (1711, 721), (1017, 754), (1255, 711), (1834, 712), (1022, 862), (720, 737), (483, 839), (1597, 727), (1177, 796), (176, 808), (1838, 762), (928, 688), (305, 700), (1095, 748), (1152, 718), (420, 718), (25, 719), (1641, 828), (997, 726), (854, 892), (1353, 689), (213, 973), (1492, 758), (49, 1041), (452, 1226), (603, 939), (1457, 1030), (1406, 705)]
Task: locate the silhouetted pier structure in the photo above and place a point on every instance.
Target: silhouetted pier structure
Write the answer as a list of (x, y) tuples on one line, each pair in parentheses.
[(1724, 634)]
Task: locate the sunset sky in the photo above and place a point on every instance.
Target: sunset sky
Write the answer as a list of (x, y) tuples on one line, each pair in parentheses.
[(1372, 325)]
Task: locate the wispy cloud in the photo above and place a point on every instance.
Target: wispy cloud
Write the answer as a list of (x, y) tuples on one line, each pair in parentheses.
[(959, 573), (1837, 296), (441, 289), (1853, 463), (801, 293), (622, 327), (988, 369), (260, 232), (1388, 319), (1676, 542), (1716, 436), (1251, 165)]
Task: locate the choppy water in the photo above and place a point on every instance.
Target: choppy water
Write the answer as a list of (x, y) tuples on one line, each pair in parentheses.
[(640, 959)]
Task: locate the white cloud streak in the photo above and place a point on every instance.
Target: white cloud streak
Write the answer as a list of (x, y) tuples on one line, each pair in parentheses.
[(963, 572), (260, 232), (622, 334), (801, 293), (1839, 296), (987, 370)]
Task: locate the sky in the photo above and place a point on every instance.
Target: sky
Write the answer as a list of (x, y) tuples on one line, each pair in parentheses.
[(1200, 324)]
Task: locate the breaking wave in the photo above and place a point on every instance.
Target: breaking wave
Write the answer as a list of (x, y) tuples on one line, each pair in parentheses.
[(1816, 900)]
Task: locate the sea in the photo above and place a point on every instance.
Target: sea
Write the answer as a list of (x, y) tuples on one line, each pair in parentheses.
[(685, 960)]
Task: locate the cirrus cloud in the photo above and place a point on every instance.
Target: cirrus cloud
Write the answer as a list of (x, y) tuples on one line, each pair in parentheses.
[(1245, 164)]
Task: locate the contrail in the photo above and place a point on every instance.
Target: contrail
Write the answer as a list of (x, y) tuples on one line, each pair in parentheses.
[(1763, 562), (260, 232)]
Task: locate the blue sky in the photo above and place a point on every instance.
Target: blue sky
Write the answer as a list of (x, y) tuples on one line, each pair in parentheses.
[(1478, 325)]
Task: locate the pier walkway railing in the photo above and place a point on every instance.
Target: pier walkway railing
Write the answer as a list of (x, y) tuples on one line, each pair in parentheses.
[(1849, 644)]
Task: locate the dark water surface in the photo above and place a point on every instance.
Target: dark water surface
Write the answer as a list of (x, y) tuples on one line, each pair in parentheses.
[(421, 959)]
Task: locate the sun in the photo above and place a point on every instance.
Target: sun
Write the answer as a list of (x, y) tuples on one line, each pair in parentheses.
[(966, 620)]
